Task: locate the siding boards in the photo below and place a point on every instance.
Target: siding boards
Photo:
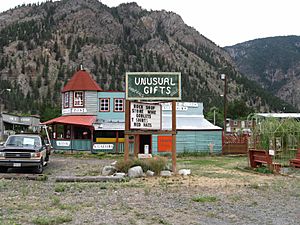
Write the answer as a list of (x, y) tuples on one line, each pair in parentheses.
[(194, 141)]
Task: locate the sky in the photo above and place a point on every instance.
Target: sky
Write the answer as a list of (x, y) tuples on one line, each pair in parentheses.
[(225, 22)]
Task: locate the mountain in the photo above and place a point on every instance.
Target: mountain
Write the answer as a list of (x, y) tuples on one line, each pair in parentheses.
[(272, 62), (42, 45)]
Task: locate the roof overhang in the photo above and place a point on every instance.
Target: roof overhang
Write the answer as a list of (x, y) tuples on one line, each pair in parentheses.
[(81, 120)]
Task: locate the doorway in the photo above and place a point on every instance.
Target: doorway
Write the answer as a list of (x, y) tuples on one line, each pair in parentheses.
[(145, 140)]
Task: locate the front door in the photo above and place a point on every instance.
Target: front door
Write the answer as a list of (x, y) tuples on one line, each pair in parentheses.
[(145, 143)]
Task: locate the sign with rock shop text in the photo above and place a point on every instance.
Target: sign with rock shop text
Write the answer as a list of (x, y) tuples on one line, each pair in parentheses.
[(153, 86), (145, 116)]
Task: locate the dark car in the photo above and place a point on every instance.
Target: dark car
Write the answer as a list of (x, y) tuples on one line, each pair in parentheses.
[(24, 150)]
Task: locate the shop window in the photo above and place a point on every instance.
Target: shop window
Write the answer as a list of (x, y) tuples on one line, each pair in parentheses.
[(82, 133), (78, 99), (104, 104), (118, 105), (66, 100), (61, 132)]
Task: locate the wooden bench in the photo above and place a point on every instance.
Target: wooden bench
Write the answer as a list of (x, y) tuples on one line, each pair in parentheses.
[(296, 161), (258, 157)]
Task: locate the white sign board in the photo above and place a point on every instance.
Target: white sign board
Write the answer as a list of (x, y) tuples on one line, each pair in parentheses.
[(103, 146), (74, 110), (63, 143), (145, 116)]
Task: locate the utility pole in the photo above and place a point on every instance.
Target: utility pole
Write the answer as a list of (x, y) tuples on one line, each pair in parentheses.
[(224, 77)]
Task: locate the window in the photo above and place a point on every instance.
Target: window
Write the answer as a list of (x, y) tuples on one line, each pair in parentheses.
[(78, 98), (119, 105), (104, 105), (66, 100)]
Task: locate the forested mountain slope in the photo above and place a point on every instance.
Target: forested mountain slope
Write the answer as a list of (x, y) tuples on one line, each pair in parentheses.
[(42, 45)]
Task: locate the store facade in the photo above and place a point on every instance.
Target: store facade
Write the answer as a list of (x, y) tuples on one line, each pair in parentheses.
[(94, 120)]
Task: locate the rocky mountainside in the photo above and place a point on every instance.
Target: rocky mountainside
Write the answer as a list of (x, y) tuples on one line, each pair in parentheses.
[(41, 46), (274, 63)]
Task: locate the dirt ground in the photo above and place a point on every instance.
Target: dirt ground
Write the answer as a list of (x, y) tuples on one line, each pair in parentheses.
[(219, 191)]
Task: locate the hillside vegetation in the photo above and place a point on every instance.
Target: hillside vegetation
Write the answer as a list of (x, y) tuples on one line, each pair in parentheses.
[(274, 63)]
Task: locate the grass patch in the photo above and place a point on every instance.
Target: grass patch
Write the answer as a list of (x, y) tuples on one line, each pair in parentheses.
[(258, 186), (203, 199), (3, 185), (53, 220), (60, 188), (219, 175), (264, 170), (217, 161)]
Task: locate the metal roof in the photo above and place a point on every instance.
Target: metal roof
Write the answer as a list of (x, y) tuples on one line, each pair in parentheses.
[(188, 122), (279, 115)]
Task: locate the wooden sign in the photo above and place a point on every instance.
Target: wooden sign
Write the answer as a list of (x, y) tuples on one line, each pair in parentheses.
[(153, 86), (145, 116)]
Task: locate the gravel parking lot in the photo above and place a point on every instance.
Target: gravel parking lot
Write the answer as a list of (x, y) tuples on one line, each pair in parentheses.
[(218, 192)]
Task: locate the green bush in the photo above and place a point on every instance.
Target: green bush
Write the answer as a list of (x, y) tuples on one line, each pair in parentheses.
[(264, 169), (203, 199), (124, 166), (157, 164)]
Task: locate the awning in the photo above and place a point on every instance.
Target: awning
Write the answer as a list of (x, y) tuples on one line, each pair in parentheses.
[(75, 120)]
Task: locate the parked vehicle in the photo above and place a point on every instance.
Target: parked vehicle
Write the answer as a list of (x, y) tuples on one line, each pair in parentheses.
[(24, 150)]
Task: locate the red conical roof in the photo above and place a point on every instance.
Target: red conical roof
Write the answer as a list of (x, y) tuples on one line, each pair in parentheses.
[(81, 81)]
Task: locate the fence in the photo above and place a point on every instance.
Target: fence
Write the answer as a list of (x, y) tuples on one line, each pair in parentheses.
[(235, 144)]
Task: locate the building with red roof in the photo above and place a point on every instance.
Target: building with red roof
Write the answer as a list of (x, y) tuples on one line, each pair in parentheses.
[(81, 81), (84, 104)]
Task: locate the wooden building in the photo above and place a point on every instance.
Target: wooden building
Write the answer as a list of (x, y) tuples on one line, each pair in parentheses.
[(94, 120)]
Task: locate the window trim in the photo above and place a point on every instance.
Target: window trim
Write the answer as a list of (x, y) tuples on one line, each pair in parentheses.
[(68, 100), (108, 100), (123, 105), (78, 106)]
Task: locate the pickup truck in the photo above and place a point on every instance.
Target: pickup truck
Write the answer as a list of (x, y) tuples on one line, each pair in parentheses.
[(24, 150)]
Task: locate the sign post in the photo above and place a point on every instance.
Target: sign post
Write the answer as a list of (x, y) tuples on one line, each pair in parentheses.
[(126, 147), (174, 136), (150, 86)]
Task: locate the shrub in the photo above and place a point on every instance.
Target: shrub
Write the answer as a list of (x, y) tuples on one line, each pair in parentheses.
[(263, 169), (157, 164), (124, 166), (142, 163)]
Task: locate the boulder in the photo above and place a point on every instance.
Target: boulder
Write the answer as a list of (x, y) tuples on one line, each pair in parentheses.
[(114, 163), (149, 173), (119, 175), (136, 171), (165, 173), (108, 170), (184, 172)]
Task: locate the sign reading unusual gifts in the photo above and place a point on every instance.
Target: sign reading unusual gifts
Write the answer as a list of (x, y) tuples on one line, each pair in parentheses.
[(145, 116), (153, 86)]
